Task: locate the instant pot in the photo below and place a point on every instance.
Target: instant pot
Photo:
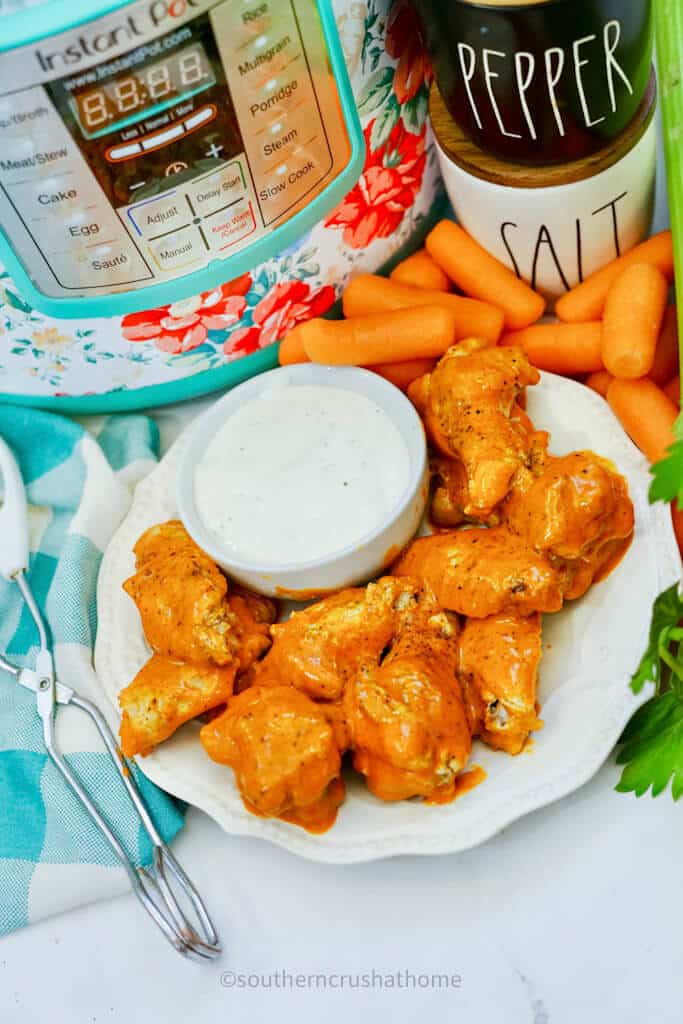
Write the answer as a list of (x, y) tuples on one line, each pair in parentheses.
[(182, 181)]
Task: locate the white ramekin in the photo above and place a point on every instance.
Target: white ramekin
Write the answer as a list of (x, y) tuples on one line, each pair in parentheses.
[(348, 566)]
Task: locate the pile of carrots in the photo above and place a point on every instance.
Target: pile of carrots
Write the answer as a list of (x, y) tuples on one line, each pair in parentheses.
[(615, 330)]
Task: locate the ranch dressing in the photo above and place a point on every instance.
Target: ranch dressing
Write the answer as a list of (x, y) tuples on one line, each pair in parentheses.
[(299, 473)]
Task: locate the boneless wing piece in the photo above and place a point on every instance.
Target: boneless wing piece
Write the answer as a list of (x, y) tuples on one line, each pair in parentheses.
[(467, 404), (164, 695), (321, 647), (407, 718), (183, 600), (450, 502), (498, 667), (282, 750), (575, 510), (483, 572)]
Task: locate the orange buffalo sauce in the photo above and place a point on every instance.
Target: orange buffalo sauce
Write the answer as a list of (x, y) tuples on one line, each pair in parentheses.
[(318, 817), (461, 784)]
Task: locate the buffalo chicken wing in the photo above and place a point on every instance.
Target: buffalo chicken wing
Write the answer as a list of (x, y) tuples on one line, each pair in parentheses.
[(283, 752), (498, 667), (482, 572), (574, 510), (186, 611), (467, 404), (320, 648), (407, 717), (164, 695)]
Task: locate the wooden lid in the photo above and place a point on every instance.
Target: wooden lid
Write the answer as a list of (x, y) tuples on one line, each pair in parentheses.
[(459, 148)]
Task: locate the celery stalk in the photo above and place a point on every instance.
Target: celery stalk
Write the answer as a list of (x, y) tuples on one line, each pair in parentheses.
[(668, 15)]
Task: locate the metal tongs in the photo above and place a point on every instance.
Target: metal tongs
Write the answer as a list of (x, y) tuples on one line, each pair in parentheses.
[(152, 885)]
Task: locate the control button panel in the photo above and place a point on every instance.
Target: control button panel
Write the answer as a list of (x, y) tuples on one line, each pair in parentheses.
[(61, 223), (157, 140), (197, 221), (272, 86)]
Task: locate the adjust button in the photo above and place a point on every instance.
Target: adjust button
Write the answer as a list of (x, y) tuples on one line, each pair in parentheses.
[(178, 250), (156, 216), (215, 191)]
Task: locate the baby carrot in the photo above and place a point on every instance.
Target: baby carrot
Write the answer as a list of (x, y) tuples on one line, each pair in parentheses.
[(587, 300), (403, 374), (599, 381), (369, 293), (672, 390), (646, 414), (292, 348), (569, 349), (420, 271), (634, 309), (665, 365), (422, 332), (482, 276)]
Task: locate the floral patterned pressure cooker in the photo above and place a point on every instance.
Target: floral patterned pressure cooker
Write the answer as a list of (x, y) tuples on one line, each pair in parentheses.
[(210, 340)]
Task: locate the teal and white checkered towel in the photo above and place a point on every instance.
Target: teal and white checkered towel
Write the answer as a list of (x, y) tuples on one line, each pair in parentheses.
[(79, 488)]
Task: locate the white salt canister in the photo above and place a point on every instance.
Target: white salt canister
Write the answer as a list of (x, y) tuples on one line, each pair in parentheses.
[(553, 225)]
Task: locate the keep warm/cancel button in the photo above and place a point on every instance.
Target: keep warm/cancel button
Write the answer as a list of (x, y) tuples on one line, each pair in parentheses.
[(227, 227), (289, 182)]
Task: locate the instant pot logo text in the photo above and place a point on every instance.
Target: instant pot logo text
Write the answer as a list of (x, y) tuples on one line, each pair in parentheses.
[(140, 24)]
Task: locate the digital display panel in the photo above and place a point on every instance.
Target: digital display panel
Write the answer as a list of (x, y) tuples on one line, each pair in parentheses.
[(106, 107)]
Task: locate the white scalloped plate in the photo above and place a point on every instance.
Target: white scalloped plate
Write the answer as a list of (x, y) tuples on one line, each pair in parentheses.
[(590, 651)]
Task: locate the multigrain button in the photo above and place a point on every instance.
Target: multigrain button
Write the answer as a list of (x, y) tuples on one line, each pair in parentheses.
[(217, 190), (227, 227), (178, 250), (156, 216)]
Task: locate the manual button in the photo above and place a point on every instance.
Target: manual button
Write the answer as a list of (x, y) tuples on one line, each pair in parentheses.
[(156, 216), (178, 250)]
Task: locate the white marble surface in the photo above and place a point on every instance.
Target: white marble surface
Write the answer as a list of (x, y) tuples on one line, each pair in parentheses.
[(571, 915)]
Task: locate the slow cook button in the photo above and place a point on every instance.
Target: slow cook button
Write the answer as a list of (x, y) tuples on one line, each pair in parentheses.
[(288, 183), (156, 216), (216, 190), (227, 227), (178, 250)]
